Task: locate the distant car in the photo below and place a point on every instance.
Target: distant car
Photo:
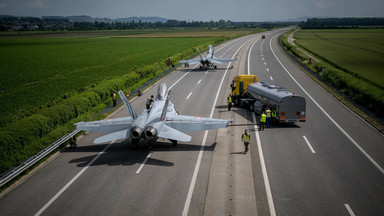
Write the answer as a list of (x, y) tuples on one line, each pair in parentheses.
[(262, 36)]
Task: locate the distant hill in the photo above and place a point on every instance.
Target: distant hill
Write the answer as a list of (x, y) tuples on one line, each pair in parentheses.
[(143, 19)]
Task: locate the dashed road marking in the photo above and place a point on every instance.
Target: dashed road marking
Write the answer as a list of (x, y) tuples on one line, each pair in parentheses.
[(349, 210), (190, 93), (198, 82), (144, 162), (309, 144), (271, 77)]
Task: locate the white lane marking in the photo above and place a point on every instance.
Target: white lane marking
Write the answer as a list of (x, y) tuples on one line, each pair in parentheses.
[(72, 180), (198, 82), (206, 72), (264, 170), (329, 117), (190, 93), (349, 209), (309, 144), (267, 69), (249, 56), (144, 162), (263, 59), (262, 54), (197, 166), (265, 63), (271, 77), (182, 77)]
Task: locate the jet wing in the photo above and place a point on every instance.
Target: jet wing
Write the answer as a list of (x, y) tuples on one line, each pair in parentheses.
[(222, 60), (106, 126), (191, 62), (192, 123)]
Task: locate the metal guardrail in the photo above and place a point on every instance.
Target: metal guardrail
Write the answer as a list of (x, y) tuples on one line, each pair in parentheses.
[(32, 160)]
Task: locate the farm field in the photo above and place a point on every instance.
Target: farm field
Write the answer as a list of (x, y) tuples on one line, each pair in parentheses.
[(359, 51), (40, 68)]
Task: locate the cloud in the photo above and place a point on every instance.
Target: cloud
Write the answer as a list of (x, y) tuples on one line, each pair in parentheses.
[(36, 4), (324, 4), (3, 5)]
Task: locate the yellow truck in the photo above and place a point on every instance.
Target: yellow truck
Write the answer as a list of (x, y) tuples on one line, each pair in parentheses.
[(247, 92)]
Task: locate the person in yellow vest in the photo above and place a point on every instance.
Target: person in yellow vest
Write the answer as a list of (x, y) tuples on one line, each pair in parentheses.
[(114, 98), (245, 137), (269, 115), (229, 101), (273, 116), (263, 119)]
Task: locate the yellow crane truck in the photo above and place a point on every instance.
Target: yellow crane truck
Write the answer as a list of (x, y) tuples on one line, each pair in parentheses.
[(247, 92)]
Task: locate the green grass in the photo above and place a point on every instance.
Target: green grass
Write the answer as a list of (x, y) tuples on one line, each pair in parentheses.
[(359, 52), (36, 71)]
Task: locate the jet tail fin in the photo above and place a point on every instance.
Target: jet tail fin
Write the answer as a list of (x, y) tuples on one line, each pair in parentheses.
[(128, 105), (199, 52), (164, 112)]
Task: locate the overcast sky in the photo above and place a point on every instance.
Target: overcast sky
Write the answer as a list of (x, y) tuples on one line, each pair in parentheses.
[(196, 10)]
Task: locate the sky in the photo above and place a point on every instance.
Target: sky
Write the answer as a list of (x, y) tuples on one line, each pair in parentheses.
[(196, 10)]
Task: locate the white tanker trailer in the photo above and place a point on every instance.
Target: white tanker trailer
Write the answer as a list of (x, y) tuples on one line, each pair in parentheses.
[(257, 96)]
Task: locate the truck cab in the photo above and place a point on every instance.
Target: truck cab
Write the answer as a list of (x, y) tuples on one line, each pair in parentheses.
[(239, 86)]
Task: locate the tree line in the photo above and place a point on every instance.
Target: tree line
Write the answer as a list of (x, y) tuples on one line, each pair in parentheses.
[(41, 24), (350, 22)]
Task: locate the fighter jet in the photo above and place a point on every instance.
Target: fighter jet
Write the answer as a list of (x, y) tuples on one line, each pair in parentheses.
[(160, 121), (209, 60)]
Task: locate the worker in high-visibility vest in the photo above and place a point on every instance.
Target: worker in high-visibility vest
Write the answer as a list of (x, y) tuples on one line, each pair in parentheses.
[(114, 98), (269, 115), (273, 116), (229, 101), (245, 137), (263, 119)]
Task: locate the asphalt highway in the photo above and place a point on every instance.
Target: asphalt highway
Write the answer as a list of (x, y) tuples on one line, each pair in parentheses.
[(330, 165)]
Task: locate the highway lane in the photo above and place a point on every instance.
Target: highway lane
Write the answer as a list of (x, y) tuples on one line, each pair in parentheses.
[(337, 178), (74, 183)]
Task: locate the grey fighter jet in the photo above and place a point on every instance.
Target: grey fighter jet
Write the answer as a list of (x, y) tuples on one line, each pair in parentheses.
[(161, 120), (209, 60)]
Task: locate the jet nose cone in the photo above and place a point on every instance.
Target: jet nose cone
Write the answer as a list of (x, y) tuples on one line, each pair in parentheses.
[(136, 132)]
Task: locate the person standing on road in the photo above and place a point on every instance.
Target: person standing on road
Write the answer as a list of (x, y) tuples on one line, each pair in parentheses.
[(268, 117), (273, 116), (263, 119), (114, 97), (245, 137), (149, 102), (229, 101)]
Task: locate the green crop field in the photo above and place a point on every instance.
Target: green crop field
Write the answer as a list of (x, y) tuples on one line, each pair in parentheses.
[(50, 80), (358, 51), (37, 70)]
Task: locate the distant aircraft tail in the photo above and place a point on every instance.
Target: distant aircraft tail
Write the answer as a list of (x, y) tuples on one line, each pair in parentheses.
[(199, 53), (128, 105)]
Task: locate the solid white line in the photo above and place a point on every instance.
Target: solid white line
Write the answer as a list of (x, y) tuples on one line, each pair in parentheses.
[(309, 144), (72, 180), (249, 56), (349, 210), (190, 93), (329, 117), (198, 82), (144, 162), (197, 166), (271, 77), (264, 170)]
